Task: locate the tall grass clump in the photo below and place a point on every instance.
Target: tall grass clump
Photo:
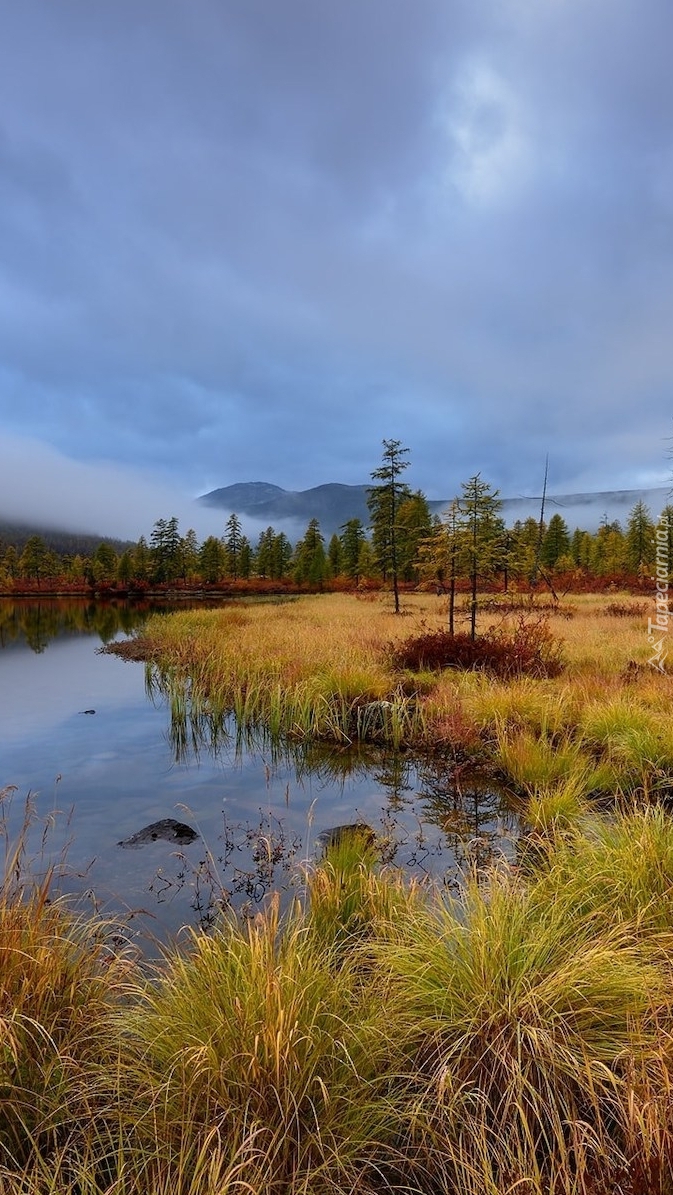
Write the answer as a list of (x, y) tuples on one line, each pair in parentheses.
[(619, 868), (557, 810), (349, 899), (519, 1021), (60, 986), (253, 1046)]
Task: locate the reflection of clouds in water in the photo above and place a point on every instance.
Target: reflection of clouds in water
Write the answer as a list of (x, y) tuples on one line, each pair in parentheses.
[(41, 693), (258, 815)]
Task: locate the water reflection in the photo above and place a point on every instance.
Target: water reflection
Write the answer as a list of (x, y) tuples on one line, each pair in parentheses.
[(257, 805), (436, 819), (37, 621)]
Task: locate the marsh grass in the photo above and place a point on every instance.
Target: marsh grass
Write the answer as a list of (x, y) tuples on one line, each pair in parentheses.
[(253, 1037), (60, 982), (518, 1021), (328, 669), (376, 1037)]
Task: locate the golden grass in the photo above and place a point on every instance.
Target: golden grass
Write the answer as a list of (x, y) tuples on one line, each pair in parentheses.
[(316, 667), (378, 1038)]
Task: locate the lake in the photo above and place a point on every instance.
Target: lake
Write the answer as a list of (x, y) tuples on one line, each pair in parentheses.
[(90, 744)]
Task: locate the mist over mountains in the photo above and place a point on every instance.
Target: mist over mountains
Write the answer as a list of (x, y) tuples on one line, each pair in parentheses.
[(261, 504), (333, 504)]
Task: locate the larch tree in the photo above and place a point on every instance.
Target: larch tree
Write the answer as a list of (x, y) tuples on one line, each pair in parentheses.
[(384, 502), (555, 542), (479, 506), (310, 560), (233, 540), (352, 537), (640, 541)]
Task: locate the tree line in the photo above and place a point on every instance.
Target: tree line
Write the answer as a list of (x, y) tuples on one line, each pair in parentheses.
[(469, 545)]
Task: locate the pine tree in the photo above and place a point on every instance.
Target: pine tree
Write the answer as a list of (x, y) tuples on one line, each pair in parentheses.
[(555, 542), (478, 507), (232, 541), (640, 542), (352, 538), (384, 502)]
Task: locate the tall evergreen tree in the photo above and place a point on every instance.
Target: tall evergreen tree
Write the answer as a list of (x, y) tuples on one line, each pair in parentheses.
[(245, 559), (233, 539), (334, 555), (104, 563), (414, 526), (384, 502), (352, 538), (212, 559), (33, 560), (264, 553), (166, 551), (311, 564), (281, 556), (479, 506), (189, 554), (640, 542), (555, 542), (141, 560)]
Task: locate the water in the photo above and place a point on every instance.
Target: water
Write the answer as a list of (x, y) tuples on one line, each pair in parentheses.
[(100, 777)]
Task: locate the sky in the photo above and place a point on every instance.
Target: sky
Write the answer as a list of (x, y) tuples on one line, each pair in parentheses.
[(247, 240)]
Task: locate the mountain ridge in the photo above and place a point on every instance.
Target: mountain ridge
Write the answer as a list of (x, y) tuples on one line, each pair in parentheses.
[(333, 503)]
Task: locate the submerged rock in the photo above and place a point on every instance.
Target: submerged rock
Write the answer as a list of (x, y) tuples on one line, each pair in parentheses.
[(167, 828), (337, 834)]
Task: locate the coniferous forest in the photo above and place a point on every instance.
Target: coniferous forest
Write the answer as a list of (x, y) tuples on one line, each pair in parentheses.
[(402, 544)]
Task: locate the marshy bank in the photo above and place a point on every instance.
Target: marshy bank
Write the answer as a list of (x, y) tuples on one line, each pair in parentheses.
[(103, 758), (565, 694), (509, 1034), (377, 1037)]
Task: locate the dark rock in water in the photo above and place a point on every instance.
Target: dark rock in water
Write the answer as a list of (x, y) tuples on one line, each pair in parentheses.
[(337, 834), (167, 828)]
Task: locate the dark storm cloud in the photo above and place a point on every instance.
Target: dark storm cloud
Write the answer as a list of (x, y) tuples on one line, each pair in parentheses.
[(248, 240)]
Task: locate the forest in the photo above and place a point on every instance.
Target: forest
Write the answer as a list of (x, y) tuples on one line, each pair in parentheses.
[(403, 542)]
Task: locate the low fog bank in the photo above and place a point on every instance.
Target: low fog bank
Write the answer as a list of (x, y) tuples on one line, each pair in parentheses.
[(588, 511), (40, 487)]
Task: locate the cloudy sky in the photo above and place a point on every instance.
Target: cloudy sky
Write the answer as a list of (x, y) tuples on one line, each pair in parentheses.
[(249, 239)]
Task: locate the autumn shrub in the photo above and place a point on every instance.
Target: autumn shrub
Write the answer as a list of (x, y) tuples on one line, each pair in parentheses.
[(525, 647), (625, 609)]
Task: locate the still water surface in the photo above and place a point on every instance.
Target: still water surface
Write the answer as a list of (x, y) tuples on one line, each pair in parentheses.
[(102, 776)]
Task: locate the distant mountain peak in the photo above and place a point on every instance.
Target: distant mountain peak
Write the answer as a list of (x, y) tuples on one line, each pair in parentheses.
[(333, 503)]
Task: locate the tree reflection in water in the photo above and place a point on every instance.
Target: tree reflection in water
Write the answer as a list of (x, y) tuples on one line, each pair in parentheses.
[(37, 621), (437, 819)]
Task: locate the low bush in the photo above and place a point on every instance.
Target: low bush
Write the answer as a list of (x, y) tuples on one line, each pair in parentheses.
[(625, 609), (523, 648)]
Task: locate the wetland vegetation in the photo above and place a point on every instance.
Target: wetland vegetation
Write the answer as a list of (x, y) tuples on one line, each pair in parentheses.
[(513, 1035)]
